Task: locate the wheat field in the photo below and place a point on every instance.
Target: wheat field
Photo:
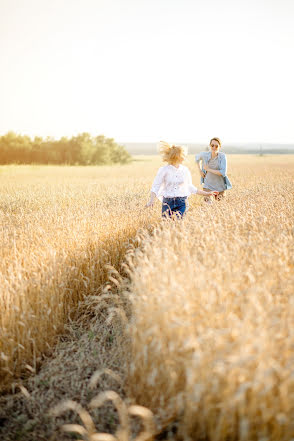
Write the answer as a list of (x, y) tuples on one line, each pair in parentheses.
[(59, 227), (208, 339), (213, 312)]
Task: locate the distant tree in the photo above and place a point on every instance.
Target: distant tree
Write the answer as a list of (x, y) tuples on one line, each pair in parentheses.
[(82, 149), (37, 149), (107, 151), (15, 149), (100, 154), (118, 153)]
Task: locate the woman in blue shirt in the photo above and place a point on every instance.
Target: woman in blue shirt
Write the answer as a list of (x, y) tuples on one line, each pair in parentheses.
[(213, 170)]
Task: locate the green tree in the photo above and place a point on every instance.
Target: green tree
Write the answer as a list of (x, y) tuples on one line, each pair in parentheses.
[(81, 149)]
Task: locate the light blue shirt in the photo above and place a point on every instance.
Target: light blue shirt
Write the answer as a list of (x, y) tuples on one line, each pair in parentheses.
[(222, 162)]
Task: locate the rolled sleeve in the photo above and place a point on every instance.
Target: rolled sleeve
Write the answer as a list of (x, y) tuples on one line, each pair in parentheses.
[(198, 157), (223, 165)]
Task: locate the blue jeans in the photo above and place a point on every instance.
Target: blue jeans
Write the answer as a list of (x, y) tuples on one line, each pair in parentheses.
[(174, 206)]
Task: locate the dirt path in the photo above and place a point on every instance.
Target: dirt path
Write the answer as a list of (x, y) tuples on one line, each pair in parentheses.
[(65, 375)]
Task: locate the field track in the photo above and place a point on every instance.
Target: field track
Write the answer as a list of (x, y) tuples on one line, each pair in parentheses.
[(210, 332)]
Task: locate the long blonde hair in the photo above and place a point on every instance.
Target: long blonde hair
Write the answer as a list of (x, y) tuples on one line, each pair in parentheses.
[(173, 154)]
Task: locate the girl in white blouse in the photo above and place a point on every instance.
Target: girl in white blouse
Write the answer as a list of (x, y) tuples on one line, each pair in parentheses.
[(173, 182)]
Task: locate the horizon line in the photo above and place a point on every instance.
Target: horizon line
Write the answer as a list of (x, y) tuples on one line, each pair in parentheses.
[(119, 141)]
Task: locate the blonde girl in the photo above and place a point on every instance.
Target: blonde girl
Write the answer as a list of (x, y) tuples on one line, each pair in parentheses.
[(173, 182)]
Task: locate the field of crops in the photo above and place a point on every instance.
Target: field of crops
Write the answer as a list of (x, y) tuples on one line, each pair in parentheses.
[(206, 331), (59, 227)]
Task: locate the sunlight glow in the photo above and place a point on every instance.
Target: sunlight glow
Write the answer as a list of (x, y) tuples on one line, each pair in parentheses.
[(144, 70)]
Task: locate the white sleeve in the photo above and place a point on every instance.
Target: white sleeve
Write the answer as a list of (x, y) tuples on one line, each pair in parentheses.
[(158, 181), (191, 187)]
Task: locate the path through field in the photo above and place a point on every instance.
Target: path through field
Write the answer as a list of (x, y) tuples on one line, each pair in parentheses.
[(207, 341)]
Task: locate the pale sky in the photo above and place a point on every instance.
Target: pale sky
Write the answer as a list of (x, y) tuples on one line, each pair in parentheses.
[(145, 70)]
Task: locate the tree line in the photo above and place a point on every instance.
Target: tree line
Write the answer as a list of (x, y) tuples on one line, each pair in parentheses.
[(82, 149)]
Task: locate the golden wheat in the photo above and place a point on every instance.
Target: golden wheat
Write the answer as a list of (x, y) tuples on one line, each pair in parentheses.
[(209, 343), (212, 342), (59, 227)]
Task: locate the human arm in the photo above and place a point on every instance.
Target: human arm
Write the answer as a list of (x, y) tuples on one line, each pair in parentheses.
[(157, 184), (199, 161), (199, 164), (222, 166), (192, 189), (207, 193), (150, 203), (210, 170), (195, 190)]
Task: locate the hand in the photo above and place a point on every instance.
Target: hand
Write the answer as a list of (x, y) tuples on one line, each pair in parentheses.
[(202, 174), (149, 204), (214, 193), (205, 166)]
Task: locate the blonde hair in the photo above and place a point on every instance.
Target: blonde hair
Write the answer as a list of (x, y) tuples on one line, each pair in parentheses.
[(217, 140), (173, 154)]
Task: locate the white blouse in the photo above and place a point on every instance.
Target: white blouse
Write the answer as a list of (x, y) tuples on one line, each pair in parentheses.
[(173, 182)]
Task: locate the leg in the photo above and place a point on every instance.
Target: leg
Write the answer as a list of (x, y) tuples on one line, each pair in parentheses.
[(181, 207)]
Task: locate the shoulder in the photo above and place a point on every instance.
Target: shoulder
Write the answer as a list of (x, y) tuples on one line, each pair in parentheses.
[(201, 155), (162, 170), (185, 169), (222, 157)]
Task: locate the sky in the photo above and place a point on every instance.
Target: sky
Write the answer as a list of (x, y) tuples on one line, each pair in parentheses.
[(146, 70)]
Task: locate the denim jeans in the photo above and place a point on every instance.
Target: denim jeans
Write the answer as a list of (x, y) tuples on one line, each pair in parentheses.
[(174, 206)]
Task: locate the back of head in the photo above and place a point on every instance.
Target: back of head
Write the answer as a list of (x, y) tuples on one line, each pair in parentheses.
[(173, 154)]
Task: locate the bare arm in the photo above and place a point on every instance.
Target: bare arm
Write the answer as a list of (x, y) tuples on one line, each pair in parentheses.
[(195, 190), (199, 164), (152, 199), (206, 193), (210, 170)]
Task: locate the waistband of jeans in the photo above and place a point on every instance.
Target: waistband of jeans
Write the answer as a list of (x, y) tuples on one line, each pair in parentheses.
[(176, 197)]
